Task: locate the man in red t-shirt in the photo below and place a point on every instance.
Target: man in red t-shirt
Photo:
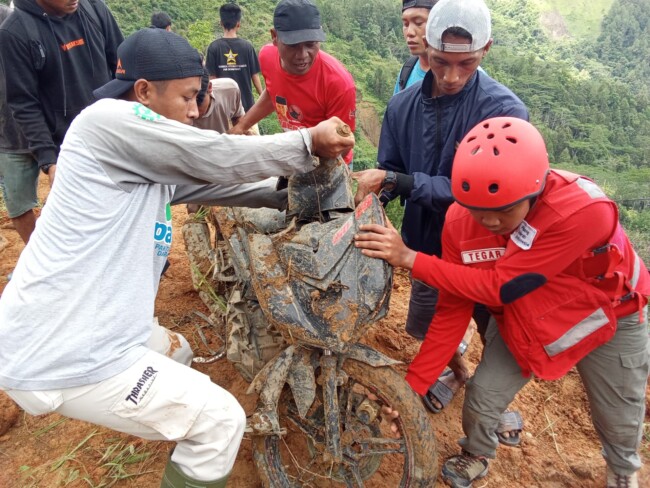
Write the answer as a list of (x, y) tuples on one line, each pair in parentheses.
[(303, 85)]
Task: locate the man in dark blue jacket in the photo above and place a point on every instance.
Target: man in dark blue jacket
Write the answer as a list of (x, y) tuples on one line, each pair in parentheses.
[(55, 53), (422, 127)]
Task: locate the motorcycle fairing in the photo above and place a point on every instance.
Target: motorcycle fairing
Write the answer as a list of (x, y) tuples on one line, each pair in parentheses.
[(333, 313)]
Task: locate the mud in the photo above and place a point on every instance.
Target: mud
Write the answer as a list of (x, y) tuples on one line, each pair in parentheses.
[(559, 447)]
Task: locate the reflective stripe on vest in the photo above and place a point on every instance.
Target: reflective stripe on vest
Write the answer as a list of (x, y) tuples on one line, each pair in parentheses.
[(637, 270), (578, 332)]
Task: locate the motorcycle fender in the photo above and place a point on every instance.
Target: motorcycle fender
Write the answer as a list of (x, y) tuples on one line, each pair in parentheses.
[(269, 381), (302, 381), (367, 355)]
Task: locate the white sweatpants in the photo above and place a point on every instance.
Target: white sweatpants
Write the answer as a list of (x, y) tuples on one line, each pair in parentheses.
[(158, 398)]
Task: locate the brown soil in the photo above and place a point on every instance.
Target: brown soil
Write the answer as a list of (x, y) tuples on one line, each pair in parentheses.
[(559, 447)]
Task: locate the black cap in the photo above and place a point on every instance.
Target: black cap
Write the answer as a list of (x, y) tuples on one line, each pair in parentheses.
[(418, 4), (297, 21), (152, 54)]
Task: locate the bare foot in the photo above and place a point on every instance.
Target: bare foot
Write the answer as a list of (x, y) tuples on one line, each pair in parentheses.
[(389, 414)]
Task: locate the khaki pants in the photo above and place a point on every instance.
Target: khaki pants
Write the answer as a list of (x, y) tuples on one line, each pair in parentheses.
[(614, 376), (158, 398)]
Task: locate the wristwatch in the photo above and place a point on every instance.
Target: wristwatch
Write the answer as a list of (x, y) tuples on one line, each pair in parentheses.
[(46, 168), (390, 181)]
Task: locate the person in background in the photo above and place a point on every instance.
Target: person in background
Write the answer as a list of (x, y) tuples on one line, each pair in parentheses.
[(219, 102), (93, 352), (55, 53), (18, 168), (415, 14), (421, 129), (161, 20), (304, 85), (234, 57), (562, 292), (220, 107)]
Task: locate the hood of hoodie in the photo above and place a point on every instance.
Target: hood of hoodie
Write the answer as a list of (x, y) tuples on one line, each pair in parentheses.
[(29, 6)]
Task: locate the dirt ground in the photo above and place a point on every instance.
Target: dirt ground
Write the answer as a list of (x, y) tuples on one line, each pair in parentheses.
[(559, 447)]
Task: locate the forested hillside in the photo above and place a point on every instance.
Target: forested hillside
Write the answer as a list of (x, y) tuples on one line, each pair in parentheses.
[(587, 90)]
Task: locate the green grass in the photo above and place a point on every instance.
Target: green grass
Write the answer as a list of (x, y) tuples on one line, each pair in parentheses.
[(117, 459), (582, 17)]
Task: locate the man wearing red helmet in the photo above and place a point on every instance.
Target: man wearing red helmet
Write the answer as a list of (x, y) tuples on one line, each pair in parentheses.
[(562, 292)]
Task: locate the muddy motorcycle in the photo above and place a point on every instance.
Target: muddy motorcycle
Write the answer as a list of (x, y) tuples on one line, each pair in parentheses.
[(294, 297)]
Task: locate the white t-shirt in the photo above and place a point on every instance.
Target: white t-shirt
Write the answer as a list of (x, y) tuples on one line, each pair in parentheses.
[(80, 305), (225, 106)]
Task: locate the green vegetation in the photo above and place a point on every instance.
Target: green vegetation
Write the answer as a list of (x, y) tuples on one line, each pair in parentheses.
[(581, 68), (575, 87), (113, 460), (582, 17)]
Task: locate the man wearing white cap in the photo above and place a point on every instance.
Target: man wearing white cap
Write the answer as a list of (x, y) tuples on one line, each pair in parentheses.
[(420, 133)]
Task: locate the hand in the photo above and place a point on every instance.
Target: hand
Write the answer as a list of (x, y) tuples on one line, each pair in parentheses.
[(368, 181), (237, 130), (51, 173), (327, 142), (377, 241)]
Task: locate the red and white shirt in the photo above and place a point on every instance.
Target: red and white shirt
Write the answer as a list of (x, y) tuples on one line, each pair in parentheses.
[(303, 101)]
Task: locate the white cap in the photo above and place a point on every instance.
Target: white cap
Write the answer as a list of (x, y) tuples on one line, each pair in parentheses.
[(471, 15)]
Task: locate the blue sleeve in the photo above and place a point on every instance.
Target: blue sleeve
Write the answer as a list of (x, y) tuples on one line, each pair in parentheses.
[(432, 192), (396, 89), (388, 153)]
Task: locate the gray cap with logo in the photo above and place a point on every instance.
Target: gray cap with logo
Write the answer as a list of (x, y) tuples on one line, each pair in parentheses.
[(470, 15)]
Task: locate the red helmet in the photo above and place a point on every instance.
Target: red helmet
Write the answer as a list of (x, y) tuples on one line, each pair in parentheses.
[(499, 163)]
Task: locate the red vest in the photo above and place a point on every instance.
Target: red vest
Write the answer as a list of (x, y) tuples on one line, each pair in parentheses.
[(552, 328)]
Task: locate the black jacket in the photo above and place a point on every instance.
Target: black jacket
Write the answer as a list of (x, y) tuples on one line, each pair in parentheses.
[(52, 65), (419, 137)]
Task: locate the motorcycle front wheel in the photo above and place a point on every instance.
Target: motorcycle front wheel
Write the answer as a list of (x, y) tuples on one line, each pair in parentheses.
[(372, 456)]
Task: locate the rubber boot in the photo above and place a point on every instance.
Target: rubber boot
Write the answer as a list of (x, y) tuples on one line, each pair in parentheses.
[(173, 477)]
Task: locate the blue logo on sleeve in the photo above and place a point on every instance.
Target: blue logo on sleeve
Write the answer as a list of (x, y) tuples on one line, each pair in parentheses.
[(163, 234)]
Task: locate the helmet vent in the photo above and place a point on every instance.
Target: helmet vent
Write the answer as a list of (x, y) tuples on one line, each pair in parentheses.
[(512, 139), (495, 150), (493, 188), (506, 125), (465, 186), (470, 139), (476, 150)]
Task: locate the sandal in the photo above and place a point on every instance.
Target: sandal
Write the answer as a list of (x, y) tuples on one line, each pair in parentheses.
[(460, 471), (513, 424), (440, 393)]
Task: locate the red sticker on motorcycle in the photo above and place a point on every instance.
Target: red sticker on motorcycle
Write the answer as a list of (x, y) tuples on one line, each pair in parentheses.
[(341, 232), (363, 206)]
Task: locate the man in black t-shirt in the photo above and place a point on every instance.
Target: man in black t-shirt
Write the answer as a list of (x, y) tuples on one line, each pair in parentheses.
[(234, 57)]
